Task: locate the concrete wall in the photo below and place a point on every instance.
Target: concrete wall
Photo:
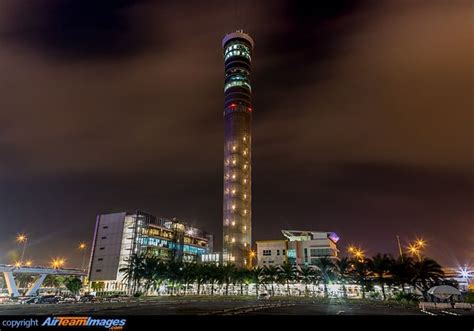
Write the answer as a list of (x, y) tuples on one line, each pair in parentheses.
[(107, 247)]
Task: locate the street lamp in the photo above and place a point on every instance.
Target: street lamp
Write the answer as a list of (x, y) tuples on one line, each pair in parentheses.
[(82, 247), (28, 263), (252, 255), (416, 248), (57, 263), (415, 251), (22, 239), (356, 253)]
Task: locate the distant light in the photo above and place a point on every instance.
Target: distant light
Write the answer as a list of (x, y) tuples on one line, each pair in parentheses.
[(21, 238), (28, 263), (17, 264), (464, 272)]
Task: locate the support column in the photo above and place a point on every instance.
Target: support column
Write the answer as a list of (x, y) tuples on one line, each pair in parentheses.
[(32, 290), (11, 286)]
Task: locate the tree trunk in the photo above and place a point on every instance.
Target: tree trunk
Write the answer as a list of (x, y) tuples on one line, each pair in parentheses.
[(325, 290), (288, 286), (227, 288), (383, 291)]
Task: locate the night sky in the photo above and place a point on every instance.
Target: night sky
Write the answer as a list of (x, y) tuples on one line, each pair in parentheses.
[(363, 119)]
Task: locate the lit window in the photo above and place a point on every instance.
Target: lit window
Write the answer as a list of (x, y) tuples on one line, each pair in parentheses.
[(234, 148), (245, 138), (245, 152), (237, 83), (234, 161), (233, 207), (245, 227), (233, 191), (245, 181), (245, 211), (245, 166), (233, 239), (245, 196), (233, 176), (233, 223)]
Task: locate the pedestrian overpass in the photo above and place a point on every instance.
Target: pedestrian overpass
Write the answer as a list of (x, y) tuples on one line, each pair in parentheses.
[(9, 272)]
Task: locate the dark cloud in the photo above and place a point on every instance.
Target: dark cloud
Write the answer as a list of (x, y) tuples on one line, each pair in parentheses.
[(81, 29), (362, 122)]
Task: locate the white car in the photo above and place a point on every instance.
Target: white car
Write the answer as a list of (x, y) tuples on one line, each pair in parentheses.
[(263, 296)]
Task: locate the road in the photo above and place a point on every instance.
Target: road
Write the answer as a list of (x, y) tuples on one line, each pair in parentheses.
[(207, 306)]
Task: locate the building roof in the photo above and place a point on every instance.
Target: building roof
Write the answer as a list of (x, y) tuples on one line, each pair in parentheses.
[(237, 34)]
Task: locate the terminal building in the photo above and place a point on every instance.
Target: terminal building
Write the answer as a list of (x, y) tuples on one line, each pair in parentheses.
[(299, 247), (118, 236)]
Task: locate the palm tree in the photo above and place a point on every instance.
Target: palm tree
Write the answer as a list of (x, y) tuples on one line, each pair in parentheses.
[(287, 274), (402, 271), (257, 275), (160, 275), (148, 271), (307, 276), (270, 274), (343, 269), (360, 273), (227, 275), (427, 273), (326, 268), (213, 275), (133, 273), (200, 275), (380, 266), (189, 275)]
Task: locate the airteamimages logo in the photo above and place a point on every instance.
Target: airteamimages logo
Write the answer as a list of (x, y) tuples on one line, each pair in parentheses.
[(75, 321)]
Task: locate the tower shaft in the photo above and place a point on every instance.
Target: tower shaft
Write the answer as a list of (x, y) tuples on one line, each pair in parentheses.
[(237, 207)]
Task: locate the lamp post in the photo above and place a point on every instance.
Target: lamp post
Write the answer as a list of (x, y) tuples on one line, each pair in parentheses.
[(82, 247), (22, 239)]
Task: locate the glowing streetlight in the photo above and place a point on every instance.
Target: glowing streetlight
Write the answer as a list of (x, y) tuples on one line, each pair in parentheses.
[(57, 263), (29, 263), (17, 264), (414, 250), (420, 243), (82, 247), (356, 252), (22, 239)]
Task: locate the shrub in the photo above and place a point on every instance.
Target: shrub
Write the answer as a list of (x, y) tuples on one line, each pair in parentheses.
[(407, 297), (469, 297)]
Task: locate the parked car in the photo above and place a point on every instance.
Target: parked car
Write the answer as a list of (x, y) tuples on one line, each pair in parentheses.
[(68, 300), (88, 298), (30, 300), (49, 299)]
